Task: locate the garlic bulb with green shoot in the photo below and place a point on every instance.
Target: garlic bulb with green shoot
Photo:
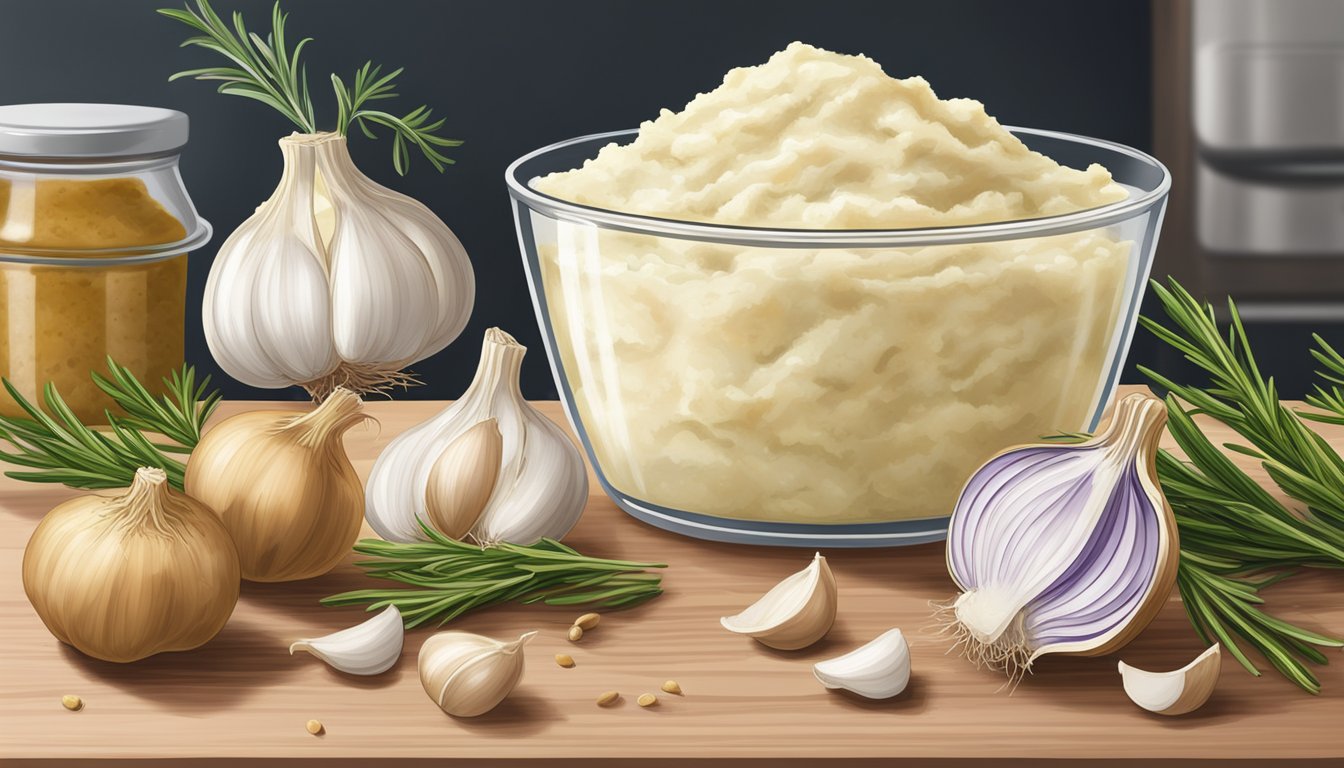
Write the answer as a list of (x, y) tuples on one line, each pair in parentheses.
[(335, 280), (536, 488), (1066, 549), (126, 577)]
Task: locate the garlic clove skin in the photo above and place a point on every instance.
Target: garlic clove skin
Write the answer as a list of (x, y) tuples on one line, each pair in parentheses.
[(542, 486), (879, 669), (795, 613), (368, 648), (463, 478), (466, 674), (1177, 692)]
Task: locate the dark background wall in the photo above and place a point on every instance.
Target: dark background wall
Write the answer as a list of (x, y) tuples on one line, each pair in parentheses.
[(511, 76)]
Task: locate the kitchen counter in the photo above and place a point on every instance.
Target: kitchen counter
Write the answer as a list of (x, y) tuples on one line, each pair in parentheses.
[(242, 696)]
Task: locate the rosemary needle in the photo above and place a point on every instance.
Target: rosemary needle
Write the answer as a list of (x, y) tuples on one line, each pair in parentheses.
[(450, 578), (58, 448)]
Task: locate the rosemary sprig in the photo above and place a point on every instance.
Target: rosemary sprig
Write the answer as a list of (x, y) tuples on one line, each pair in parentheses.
[(412, 129), (1331, 399), (59, 448), (450, 578), (1231, 527), (266, 70)]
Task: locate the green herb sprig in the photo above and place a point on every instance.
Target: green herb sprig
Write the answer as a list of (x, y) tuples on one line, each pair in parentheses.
[(58, 448), (450, 578), (267, 70), (1231, 528)]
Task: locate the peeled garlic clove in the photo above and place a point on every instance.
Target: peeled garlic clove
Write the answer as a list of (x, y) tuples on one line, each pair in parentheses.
[(1178, 692), (369, 648), (462, 480), (1063, 548), (542, 484), (878, 670), (795, 613), (468, 675)]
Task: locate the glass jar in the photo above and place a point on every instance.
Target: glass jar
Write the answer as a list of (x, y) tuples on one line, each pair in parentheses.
[(95, 225)]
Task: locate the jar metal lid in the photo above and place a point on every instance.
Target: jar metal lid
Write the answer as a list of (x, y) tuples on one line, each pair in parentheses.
[(90, 131)]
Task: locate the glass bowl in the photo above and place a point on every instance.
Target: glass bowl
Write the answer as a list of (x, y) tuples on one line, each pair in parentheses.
[(828, 388)]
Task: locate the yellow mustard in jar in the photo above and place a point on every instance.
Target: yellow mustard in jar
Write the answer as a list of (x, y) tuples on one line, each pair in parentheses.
[(92, 262)]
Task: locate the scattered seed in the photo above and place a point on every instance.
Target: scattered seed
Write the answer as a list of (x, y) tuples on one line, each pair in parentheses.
[(646, 700), (72, 703), (315, 727), (671, 687), (587, 620), (608, 698), (575, 633), (564, 660)]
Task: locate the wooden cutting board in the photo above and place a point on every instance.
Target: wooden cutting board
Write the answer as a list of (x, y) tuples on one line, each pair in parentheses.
[(242, 699)]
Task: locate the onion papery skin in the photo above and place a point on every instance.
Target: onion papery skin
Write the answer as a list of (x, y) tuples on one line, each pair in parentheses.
[(284, 487), (121, 579), (1068, 549)]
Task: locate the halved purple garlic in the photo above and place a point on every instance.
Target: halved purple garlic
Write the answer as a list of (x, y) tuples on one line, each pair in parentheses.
[(1063, 548)]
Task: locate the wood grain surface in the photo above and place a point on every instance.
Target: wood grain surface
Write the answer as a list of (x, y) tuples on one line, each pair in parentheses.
[(244, 696)]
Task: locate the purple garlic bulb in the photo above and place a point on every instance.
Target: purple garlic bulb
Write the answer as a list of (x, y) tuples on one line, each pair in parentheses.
[(1063, 548)]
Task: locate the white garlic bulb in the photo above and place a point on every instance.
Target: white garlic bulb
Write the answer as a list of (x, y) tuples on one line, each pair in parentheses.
[(541, 487), (335, 280), (468, 675)]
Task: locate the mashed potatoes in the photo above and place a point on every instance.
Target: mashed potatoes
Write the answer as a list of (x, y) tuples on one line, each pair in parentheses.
[(830, 385)]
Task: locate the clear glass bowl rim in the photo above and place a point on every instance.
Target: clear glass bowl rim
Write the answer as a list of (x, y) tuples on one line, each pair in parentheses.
[(1092, 218)]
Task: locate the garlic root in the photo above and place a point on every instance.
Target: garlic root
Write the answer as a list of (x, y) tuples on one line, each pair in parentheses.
[(1177, 692), (795, 613)]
